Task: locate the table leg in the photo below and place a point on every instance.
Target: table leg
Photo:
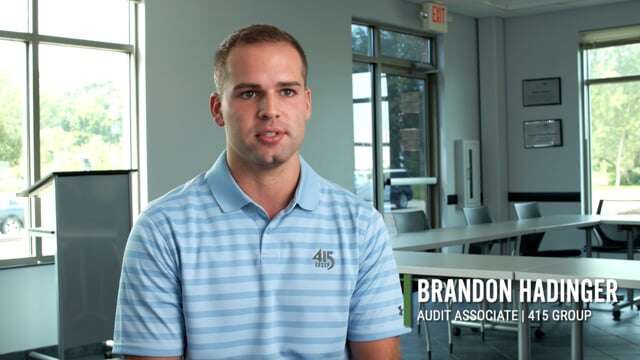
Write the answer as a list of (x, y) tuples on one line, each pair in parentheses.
[(503, 246), (576, 336), (406, 289), (588, 233), (630, 295), (629, 243), (524, 336)]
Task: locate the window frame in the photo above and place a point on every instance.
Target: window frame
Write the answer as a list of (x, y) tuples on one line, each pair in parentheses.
[(31, 123), (427, 72), (585, 113)]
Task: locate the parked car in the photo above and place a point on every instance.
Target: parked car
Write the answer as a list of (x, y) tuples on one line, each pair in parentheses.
[(398, 195), (11, 216)]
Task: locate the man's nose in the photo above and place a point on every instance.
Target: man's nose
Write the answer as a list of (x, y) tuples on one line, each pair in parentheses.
[(268, 107)]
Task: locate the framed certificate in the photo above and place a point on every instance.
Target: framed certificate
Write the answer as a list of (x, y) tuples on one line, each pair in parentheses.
[(540, 92), (542, 133)]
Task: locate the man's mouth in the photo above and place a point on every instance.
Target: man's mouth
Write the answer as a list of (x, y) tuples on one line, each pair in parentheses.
[(270, 137)]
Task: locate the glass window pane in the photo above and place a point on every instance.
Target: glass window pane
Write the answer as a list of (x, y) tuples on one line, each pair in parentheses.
[(98, 20), (14, 15), (361, 40), (404, 143), (404, 46), (362, 77), (614, 61), (615, 145), (13, 239), (84, 109)]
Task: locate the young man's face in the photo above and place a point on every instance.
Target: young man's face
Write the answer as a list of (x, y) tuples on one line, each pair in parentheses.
[(264, 105)]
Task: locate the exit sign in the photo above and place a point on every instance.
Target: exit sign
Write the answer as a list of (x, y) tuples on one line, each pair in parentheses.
[(434, 17)]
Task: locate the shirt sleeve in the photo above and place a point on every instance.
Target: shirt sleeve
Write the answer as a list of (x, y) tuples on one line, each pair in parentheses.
[(376, 310), (149, 319)]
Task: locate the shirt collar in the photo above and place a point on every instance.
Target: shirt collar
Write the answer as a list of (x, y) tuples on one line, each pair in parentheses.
[(230, 196), (224, 187), (308, 191)]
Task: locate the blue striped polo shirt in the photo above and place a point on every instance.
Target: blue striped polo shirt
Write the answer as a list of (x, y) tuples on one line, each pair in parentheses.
[(208, 275)]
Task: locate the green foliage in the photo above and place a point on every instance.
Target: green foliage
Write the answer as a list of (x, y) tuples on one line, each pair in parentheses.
[(360, 39), (93, 109), (615, 116), (11, 114), (79, 130), (82, 128), (406, 111), (403, 46)]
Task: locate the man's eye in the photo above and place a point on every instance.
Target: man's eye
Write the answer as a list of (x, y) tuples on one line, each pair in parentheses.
[(247, 94), (288, 92)]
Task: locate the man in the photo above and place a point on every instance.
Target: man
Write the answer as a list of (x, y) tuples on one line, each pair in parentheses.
[(259, 257)]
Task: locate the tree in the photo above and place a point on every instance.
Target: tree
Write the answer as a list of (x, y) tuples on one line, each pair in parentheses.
[(615, 115), (79, 130), (82, 128), (11, 114)]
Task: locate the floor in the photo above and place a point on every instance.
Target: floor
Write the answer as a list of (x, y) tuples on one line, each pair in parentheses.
[(604, 339)]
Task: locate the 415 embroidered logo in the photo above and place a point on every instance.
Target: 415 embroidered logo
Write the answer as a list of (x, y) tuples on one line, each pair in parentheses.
[(324, 259)]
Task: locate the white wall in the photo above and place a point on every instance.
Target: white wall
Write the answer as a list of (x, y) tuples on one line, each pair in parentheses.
[(493, 115), (547, 46), (28, 309), (459, 109)]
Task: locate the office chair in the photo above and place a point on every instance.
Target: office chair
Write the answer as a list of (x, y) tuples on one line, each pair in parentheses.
[(480, 215), (475, 216), (530, 243), (608, 243), (411, 221)]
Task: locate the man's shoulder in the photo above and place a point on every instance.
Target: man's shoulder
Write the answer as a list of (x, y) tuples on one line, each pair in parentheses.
[(192, 195), (335, 196)]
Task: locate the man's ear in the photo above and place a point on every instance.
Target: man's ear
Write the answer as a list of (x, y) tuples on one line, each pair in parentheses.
[(215, 106), (307, 92)]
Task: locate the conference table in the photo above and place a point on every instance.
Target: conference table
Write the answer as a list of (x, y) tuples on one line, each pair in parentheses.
[(625, 272), (435, 239), (471, 234)]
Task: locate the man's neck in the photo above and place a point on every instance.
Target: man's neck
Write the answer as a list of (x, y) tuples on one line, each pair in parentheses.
[(271, 188)]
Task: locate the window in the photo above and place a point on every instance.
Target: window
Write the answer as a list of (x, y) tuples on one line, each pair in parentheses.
[(67, 103), (611, 77), (394, 124)]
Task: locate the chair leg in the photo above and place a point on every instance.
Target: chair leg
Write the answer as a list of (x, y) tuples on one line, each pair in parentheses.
[(427, 337), (484, 310), (422, 308), (450, 328)]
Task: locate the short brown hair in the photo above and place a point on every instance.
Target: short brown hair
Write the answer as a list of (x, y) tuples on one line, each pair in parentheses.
[(253, 34)]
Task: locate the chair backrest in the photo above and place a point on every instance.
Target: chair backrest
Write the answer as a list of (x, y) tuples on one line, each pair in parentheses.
[(408, 221), (529, 210), (477, 215), (530, 243), (474, 216), (609, 235), (618, 207)]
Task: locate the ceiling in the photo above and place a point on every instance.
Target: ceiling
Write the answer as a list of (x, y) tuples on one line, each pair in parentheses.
[(509, 8)]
